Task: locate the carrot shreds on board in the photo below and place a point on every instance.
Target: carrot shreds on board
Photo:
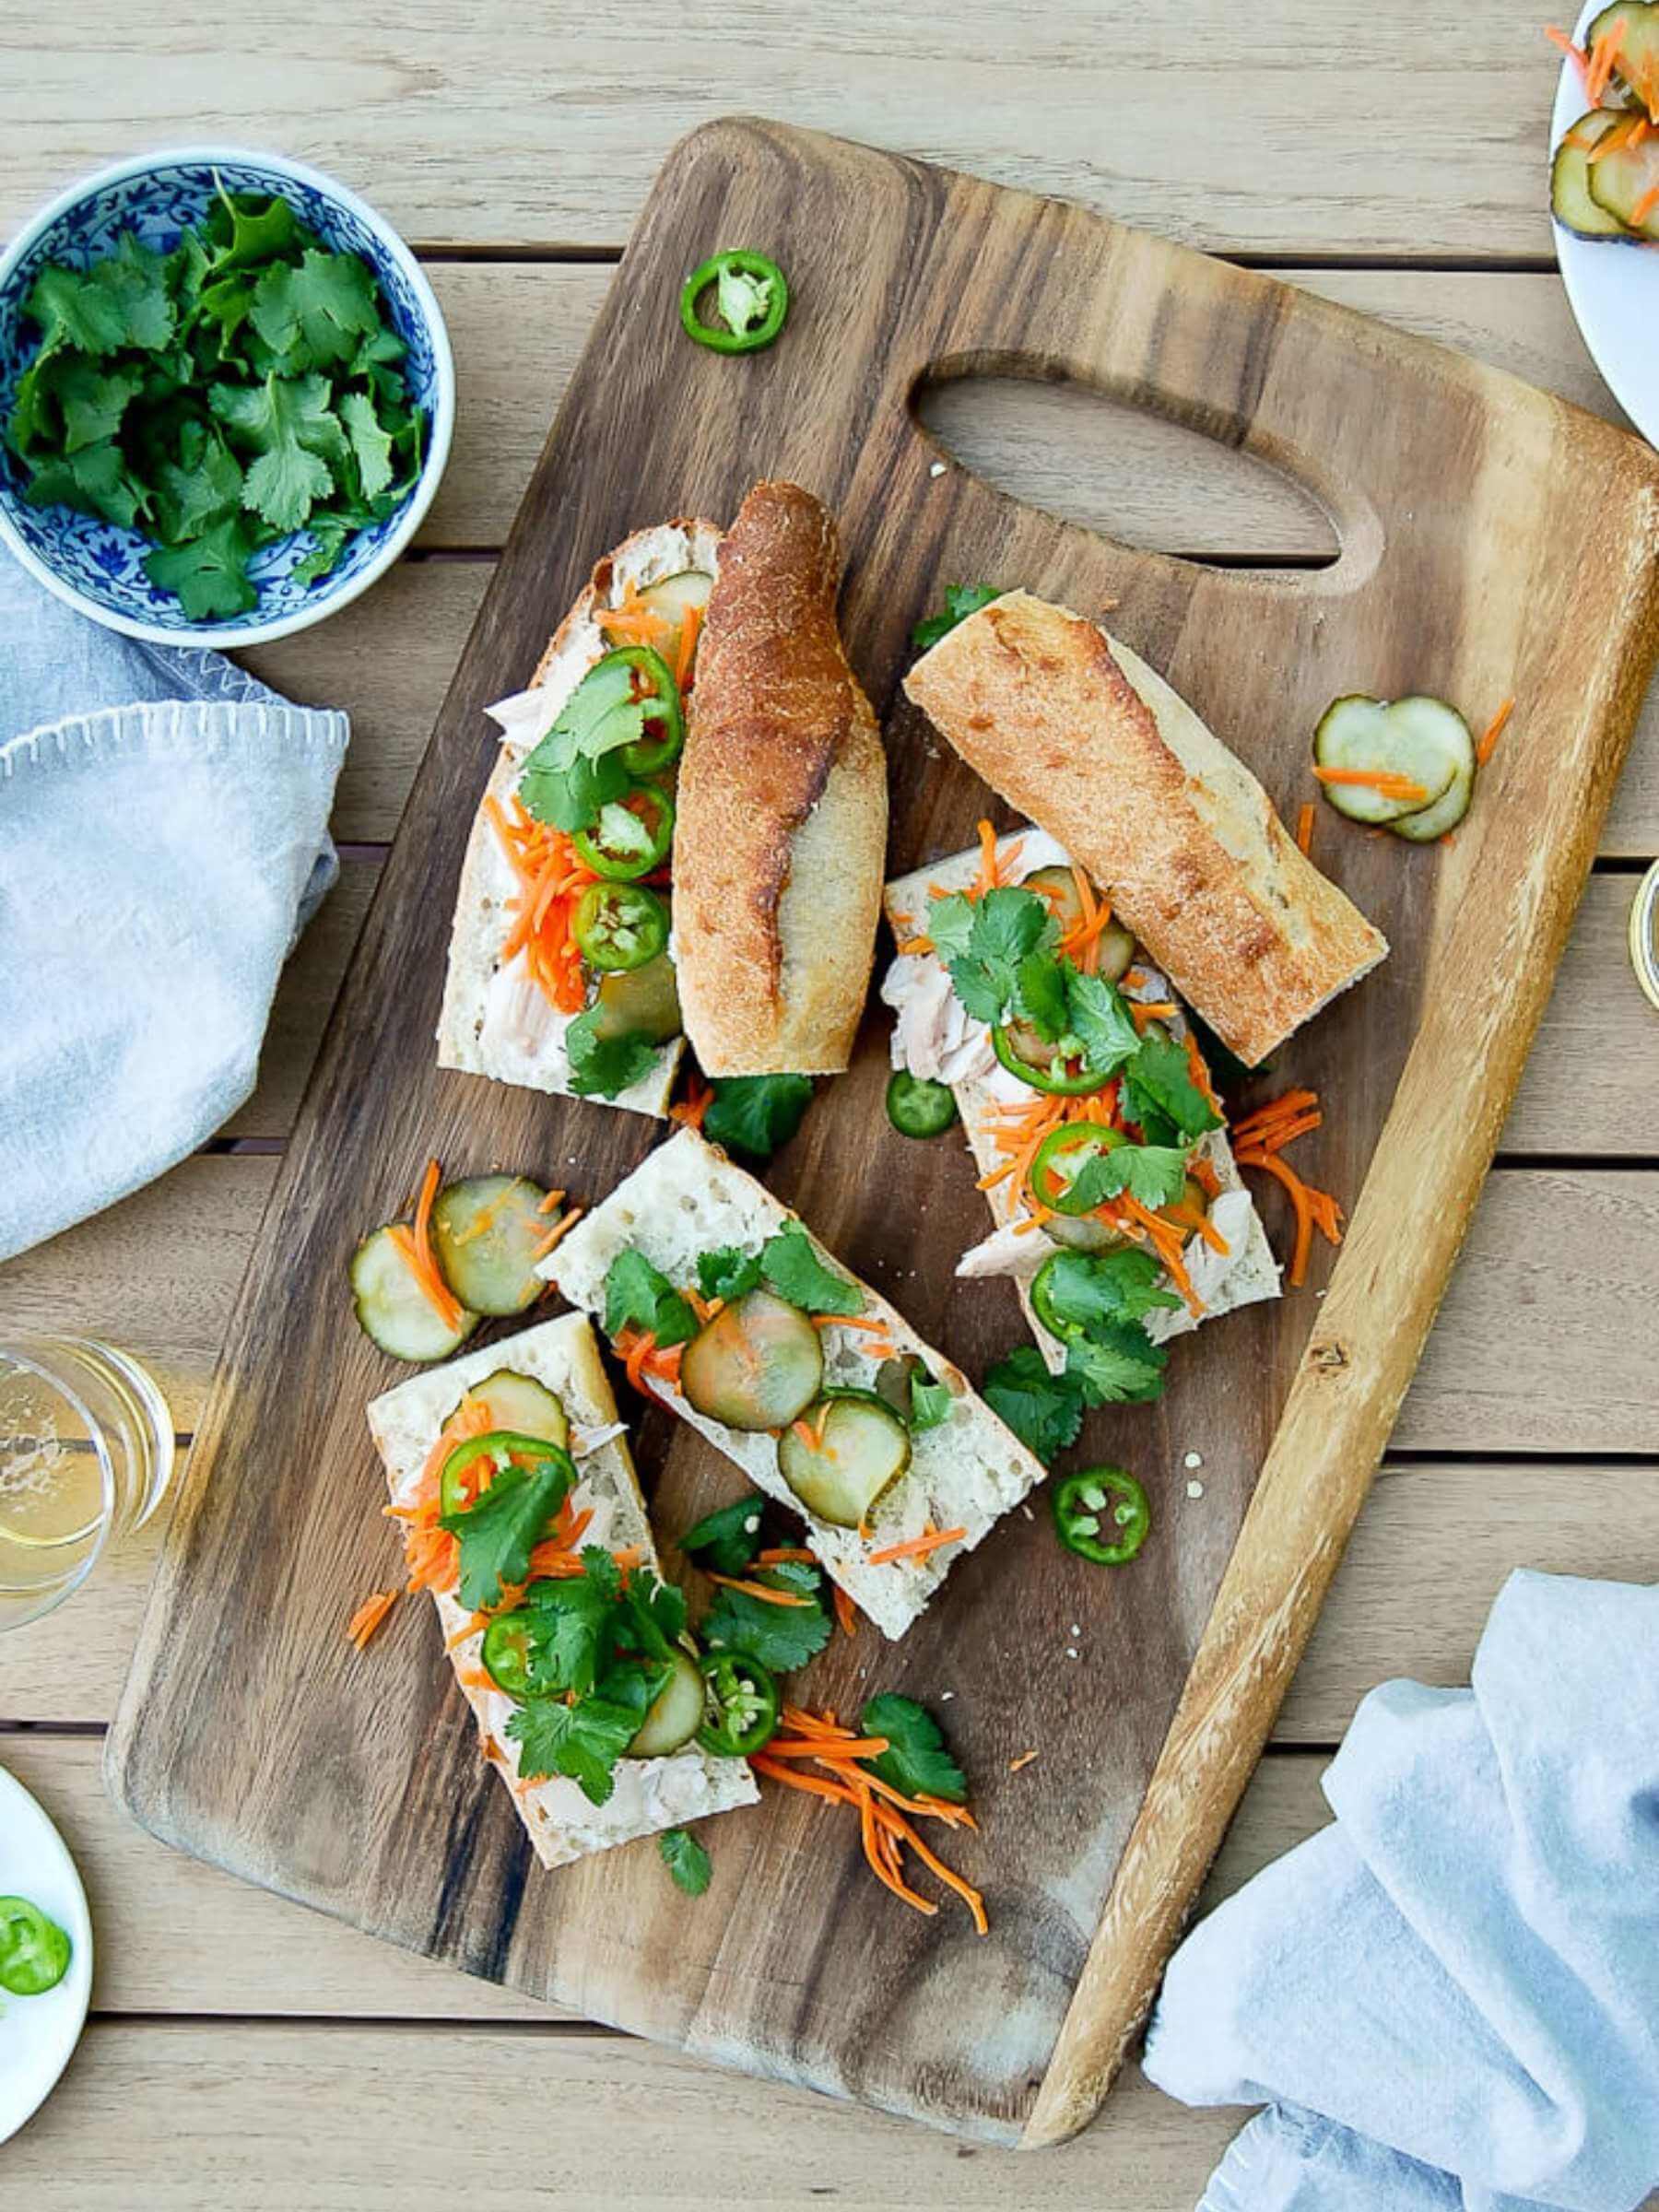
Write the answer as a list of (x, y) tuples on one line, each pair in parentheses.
[(1312, 1208), (1387, 782), (812, 1746), (561, 1229), (553, 1200), (1304, 826), (690, 1110), (369, 1615), (1288, 1106), (760, 1590), (919, 1546), (1024, 1759), (846, 1612)]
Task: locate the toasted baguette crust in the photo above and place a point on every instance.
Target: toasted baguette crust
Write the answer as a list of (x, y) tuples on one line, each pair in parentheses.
[(1078, 734), (782, 807)]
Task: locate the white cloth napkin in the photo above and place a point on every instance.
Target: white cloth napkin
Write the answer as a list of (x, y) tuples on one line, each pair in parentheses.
[(1450, 1997), (163, 839)]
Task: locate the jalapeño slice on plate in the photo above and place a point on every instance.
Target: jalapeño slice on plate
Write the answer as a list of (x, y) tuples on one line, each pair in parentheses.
[(34, 1951)]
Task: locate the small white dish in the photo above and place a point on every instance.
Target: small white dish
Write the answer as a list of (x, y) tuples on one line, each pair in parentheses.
[(1613, 288), (38, 2035)]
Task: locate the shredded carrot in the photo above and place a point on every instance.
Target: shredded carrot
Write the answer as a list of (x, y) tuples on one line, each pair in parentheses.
[(559, 1230), (916, 944), (419, 1251), (846, 1612), (634, 620), (1494, 728), (1201, 1079), (849, 1320), (691, 625), (1145, 1011), (1304, 826), (690, 1110), (550, 880), (1387, 782), (1575, 54), (1644, 206), (919, 1546), (804, 1429), (760, 1590), (781, 1555), (1603, 55), (642, 1357), (369, 1615), (553, 1200), (1024, 1759), (811, 1746), (1611, 141)]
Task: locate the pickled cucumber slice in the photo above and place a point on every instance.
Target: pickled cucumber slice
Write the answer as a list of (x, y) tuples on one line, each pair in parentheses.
[(393, 1310), (524, 1405), (758, 1364), (676, 1715), (1569, 172), (640, 1002), (1624, 180), (1636, 63), (673, 598), (1058, 890), (486, 1232), (863, 1450), (1420, 739)]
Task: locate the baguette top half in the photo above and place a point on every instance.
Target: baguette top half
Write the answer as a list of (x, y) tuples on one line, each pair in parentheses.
[(782, 825), (1081, 735)]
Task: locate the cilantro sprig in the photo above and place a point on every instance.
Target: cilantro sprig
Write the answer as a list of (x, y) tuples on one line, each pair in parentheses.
[(499, 1531), (780, 1637), (217, 398), (686, 1860), (1045, 1411), (639, 1295), (755, 1114), (961, 601), (917, 1760)]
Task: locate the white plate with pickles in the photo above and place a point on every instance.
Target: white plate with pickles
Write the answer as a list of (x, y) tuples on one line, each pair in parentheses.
[(45, 1956), (1604, 197)]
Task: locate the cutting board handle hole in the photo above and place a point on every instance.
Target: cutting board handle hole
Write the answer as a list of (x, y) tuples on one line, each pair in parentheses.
[(1128, 471)]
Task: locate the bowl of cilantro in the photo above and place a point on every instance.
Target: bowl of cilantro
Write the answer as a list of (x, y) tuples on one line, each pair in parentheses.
[(226, 396)]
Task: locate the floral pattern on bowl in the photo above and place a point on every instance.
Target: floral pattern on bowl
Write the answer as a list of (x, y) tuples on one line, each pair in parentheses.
[(96, 565)]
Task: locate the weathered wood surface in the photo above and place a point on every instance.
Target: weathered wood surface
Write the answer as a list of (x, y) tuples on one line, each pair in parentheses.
[(1449, 489)]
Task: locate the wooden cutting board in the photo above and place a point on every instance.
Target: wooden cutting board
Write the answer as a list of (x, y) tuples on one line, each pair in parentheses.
[(1494, 541)]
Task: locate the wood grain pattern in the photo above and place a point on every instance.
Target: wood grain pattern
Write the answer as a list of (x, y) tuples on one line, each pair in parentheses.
[(176, 1935), (510, 125), (1452, 490)]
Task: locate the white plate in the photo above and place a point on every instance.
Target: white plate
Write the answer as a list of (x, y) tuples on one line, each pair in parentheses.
[(38, 2034), (1614, 288)]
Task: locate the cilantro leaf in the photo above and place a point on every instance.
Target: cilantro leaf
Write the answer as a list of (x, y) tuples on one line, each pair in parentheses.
[(755, 1114), (1008, 925), (246, 229), (686, 1860), (136, 280), (728, 1272), (930, 1403), (370, 445), (653, 1616), (639, 1295), (916, 1760), (328, 542), (1098, 1017), (498, 1532), (94, 481), (1116, 1363), (726, 1538), (1086, 1289), (789, 1266), (780, 1637), (950, 924), (202, 486), (605, 1066), (317, 314), (1040, 995), (961, 601), (1156, 1174), (33, 420), (290, 426), (569, 1619), (582, 1741), (570, 799), (225, 304), (210, 574), (1045, 1411), (73, 311), (1160, 1077), (93, 400)]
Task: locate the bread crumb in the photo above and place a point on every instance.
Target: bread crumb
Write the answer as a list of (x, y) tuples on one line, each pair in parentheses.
[(937, 469), (1026, 1511), (1195, 1490), (1193, 1459), (1075, 1630), (945, 1696), (1071, 1651)]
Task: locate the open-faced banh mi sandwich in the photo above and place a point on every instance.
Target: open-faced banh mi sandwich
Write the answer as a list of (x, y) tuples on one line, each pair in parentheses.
[(559, 973), (727, 1308), (1102, 1146), (782, 807), (511, 1478), (1078, 733)]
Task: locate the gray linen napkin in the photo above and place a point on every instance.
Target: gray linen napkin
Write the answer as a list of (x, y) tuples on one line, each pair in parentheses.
[(163, 840)]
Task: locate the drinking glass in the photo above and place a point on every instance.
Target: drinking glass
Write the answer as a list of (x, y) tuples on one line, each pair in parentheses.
[(85, 1456)]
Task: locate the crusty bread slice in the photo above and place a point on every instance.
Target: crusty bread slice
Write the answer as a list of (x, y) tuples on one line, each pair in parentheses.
[(1244, 1275), (495, 1022), (651, 1794), (689, 1198), (1080, 735), (781, 828)]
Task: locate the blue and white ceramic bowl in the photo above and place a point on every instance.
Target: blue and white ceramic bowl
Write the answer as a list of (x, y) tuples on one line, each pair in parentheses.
[(98, 567)]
